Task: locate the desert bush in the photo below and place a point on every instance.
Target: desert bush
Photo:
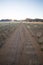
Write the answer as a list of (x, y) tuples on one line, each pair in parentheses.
[(41, 47), (1, 43), (40, 40), (39, 34)]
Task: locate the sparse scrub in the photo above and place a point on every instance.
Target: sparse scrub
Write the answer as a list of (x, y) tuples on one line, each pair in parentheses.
[(40, 40), (5, 30), (37, 32), (41, 49)]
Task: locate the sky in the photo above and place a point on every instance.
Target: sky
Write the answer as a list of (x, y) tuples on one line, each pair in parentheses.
[(21, 9)]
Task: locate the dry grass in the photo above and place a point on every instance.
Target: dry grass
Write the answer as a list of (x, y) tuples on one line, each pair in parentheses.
[(36, 29), (6, 29)]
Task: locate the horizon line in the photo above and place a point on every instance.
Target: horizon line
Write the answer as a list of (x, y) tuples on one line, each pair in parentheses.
[(18, 19)]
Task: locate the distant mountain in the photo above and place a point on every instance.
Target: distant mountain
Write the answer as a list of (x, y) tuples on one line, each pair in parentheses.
[(27, 20), (4, 20), (34, 20), (37, 20), (16, 20)]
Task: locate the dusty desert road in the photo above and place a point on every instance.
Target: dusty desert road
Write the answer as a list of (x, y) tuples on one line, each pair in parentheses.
[(20, 49)]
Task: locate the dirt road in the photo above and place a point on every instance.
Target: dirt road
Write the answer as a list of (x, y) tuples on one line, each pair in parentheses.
[(20, 49)]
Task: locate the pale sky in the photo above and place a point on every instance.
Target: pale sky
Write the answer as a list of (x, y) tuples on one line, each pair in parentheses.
[(21, 9)]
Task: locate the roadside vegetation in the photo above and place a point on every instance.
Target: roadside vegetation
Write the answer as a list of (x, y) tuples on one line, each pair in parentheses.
[(36, 30), (6, 28)]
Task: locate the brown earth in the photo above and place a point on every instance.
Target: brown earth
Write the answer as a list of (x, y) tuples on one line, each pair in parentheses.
[(21, 49)]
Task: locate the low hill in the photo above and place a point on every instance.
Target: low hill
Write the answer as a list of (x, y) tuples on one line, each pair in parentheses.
[(4, 20), (34, 20)]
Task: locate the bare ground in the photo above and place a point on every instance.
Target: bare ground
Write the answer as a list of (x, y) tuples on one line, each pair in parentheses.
[(21, 49)]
